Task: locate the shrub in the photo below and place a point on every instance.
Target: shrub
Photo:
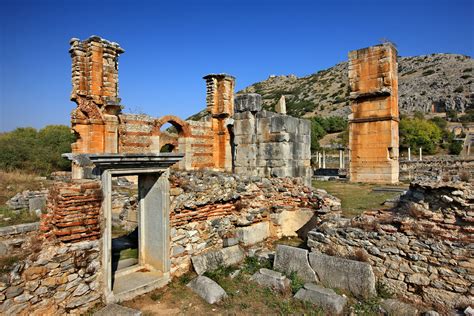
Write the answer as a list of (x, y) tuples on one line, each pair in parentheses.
[(428, 72), (465, 175), (296, 282), (455, 147), (459, 89)]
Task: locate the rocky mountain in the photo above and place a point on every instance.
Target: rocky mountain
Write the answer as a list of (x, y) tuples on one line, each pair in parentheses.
[(429, 83)]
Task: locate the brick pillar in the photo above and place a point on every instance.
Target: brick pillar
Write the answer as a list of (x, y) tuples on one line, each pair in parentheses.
[(220, 103), (95, 90), (373, 124)]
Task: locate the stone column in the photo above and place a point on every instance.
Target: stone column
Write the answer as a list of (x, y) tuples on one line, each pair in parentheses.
[(220, 103), (341, 164), (421, 154), (373, 129), (324, 159), (409, 154)]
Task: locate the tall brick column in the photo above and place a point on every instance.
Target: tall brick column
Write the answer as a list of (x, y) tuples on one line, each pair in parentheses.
[(95, 90), (373, 128), (220, 103)]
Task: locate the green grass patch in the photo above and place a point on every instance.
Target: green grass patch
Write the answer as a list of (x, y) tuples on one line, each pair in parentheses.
[(355, 197), (10, 217)]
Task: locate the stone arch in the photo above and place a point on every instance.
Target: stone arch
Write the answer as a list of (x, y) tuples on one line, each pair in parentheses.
[(169, 148), (182, 126)]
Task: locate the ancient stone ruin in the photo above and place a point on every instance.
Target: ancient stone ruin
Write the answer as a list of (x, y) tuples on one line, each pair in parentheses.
[(373, 124), (274, 144), (231, 183)]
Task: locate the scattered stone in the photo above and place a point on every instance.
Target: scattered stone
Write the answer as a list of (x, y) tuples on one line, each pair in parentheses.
[(271, 279), (253, 234), (354, 276), (206, 288), (469, 311), (234, 274), (399, 308), (117, 310), (431, 313), (213, 260), (320, 296), (291, 259)]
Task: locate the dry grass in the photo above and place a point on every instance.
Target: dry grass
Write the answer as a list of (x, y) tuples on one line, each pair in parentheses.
[(16, 181)]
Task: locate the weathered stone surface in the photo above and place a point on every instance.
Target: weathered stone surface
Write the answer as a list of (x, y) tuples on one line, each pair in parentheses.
[(354, 276), (248, 102), (399, 308), (469, 311), (373, 124), (212, 260), (322, 297), (13, 291), (206, 288), (271, 279), (256, 233), (290, 259), (117, 310)]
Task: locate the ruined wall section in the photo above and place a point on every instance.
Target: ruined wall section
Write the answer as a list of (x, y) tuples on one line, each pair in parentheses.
[(213, 210), (95, 90), (270, 144), (59, 271), (421, 251), (373, 124), (220, 103)]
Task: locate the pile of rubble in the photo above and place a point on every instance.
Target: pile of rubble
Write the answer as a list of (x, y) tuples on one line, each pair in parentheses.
[(421, 250)]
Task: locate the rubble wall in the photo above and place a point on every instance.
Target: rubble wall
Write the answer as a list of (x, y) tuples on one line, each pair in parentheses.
[(422, 251), (211, 210), (436, 168), (59, 269)]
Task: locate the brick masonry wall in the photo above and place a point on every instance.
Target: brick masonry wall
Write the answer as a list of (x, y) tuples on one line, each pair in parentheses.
[(73, 211), (422, 251)]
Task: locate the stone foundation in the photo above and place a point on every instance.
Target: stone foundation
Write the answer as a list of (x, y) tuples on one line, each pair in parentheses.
[(422, 251)]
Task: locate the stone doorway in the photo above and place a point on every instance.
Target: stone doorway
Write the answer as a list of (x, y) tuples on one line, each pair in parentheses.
[(152, 269)]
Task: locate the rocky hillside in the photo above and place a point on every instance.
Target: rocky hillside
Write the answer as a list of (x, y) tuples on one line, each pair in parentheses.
[(438, 81)]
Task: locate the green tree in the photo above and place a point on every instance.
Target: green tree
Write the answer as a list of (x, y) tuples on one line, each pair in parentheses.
[(317, 132), (417, 133), (39, 152)]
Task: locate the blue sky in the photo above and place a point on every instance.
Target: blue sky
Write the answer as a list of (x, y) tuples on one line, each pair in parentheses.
[(170, 45)]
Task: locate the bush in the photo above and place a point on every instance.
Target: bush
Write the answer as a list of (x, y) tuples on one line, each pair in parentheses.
[(36, 151), (417, 133), (455, 147), (428, 72)]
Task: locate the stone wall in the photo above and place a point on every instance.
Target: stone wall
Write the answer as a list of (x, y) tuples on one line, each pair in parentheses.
[(422, 251), (373, 124), (280, 144), (211, 210), (436, 168), (270, 144), (58, 269)]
